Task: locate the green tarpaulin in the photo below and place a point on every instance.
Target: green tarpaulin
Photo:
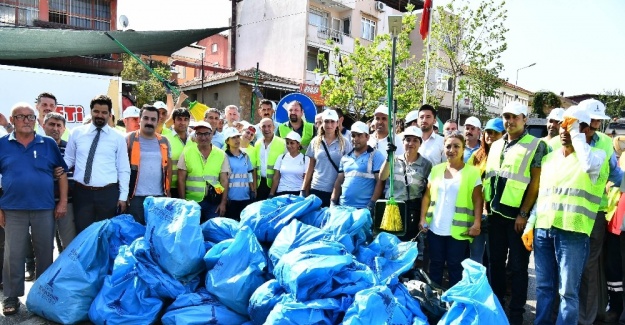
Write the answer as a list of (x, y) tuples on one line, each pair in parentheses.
[(34, 43)]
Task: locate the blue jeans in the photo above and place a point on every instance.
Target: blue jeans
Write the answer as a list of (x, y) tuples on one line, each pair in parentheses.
[(478, 246), (208, 210), (561, 252), (446, 249)]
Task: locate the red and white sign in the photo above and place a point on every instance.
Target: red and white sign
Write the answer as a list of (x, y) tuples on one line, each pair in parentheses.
[(72, 113), (314, 92)]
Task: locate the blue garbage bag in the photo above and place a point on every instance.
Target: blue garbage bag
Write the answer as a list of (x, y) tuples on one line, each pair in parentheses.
[(388, 257), (175, 236), (316, 218), (125, 231), (264, 299), (377, 305), (238, 271), (65, 291), (219, 229), (198, 308), (344, 221), (124, 298), (318, 311), (295, 235), (404, 298), (322, 270), (213, 255), (472, 299), (266, 218)]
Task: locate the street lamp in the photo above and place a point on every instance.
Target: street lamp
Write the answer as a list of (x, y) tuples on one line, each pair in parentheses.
[(516, 83)]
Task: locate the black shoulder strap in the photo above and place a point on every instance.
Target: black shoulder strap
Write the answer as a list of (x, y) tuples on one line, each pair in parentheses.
[(329, 157)]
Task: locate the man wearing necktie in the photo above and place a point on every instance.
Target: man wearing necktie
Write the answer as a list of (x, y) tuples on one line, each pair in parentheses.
[(102, 168)]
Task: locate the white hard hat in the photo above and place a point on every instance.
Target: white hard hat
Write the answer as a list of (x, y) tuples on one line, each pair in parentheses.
[(413, 131), (577, 113), (359, 127), (595, 109), (515, 108), (382, 109), (131, 111), (556, 114), (231, 132), (160, 105), (474, 121), (330, 114), (294, 136), (412, 116)]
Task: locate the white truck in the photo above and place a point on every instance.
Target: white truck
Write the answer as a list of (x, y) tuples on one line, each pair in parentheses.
[(73, 91)]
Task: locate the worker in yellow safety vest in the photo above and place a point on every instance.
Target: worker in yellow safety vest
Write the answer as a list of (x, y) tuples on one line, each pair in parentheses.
[(267, 150), (295, 123), (572, 182), (203, 174), (178, 140)]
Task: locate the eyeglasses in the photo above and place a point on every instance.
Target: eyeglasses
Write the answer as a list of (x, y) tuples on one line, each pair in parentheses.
[(202, 134), (21, 117)]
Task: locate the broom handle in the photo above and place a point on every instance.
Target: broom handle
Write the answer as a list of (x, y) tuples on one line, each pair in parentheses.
[(391, 159)]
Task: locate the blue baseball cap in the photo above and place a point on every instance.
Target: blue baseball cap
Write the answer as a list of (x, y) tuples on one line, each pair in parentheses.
[(495, 124)]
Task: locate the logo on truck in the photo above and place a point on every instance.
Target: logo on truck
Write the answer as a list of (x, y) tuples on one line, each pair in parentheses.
[(72, 113)]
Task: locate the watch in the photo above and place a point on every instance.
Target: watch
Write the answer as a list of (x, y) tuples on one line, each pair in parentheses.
[(523, 214)]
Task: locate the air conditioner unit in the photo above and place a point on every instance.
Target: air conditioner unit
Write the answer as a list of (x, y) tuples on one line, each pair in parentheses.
[(379, 6)]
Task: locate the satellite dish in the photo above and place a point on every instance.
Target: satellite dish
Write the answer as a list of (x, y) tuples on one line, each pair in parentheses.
[(123, 20)]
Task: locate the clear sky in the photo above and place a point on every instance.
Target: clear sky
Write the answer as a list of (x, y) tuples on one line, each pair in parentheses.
[(578, 45)]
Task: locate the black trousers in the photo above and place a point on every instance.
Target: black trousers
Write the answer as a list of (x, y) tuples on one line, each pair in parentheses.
[(234, 208), (262, 193), (93, 205), (174, 193), (324, 196)]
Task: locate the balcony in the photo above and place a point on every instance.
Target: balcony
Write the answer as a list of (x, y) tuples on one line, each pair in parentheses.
[(320, 36)]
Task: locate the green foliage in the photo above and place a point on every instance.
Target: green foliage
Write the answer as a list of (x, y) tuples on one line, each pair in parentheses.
[(614, 101), (148, 89), (359, 84), (543, 102), (471, 41)]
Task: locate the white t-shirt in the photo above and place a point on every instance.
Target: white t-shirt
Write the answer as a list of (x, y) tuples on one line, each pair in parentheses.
[(446, 204), (381, 144), (432, 149), (292, 172)]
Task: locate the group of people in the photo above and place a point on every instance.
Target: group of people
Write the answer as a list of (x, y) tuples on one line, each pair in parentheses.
[(492, 193)]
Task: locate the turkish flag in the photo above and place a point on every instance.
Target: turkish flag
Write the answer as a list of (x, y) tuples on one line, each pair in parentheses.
[(425, 19)]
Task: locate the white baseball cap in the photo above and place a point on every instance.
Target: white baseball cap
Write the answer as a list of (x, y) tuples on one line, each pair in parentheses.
[(411, 116), (382, 109), (413, 131), (474, 121), (330, 114), (294, 136), (202, 124), (359, 127), (577, 113), (160, 105), (556, 114), (231, 132), (595, 109), (131, 111), (515, 108)]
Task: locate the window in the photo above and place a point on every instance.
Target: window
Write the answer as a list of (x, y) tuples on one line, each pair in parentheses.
[(182, 71), (318, 18), (88, 14), (444, 81), (313, 62), (20, 13), (347, 26), (368, 29), (214, 48)]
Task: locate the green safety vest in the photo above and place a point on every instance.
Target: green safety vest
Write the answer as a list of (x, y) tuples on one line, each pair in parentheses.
[(176, 146), (567, 199), (167, 131), (200, 173), (463, 216), (307, 134), (604, 143), (276, 148), (515, 168)]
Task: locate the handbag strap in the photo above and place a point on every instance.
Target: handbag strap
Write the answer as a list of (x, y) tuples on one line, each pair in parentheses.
[(328, 153)]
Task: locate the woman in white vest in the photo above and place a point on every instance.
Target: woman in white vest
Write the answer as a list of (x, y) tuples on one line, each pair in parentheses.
[(451, 210), (290, 168)]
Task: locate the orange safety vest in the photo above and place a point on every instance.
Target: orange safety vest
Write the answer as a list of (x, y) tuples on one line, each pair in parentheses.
[(134, 151)]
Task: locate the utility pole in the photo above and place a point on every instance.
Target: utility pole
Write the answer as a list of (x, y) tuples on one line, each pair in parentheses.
[(233, 35)]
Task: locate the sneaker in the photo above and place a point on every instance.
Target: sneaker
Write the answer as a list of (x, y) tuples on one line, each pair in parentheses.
[(29, 275)]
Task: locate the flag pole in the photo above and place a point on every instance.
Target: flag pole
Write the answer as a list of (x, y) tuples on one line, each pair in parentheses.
[(427, 53)]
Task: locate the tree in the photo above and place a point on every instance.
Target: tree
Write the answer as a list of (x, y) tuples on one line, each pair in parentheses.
[(471, 42), (359, 84), (148, 89), (614, 101), (543, 102)]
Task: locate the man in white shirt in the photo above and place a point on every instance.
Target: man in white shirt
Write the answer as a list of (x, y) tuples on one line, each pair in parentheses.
[(102, 169), (472, 133), (265, 110), (232, 116), (379, 139), (432, 146)]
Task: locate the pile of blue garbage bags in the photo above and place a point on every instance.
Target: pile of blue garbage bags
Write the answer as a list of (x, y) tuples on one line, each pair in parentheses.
[(287, 262)]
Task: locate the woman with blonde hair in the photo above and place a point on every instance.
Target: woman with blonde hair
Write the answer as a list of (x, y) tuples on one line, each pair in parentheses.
[(325, 152)]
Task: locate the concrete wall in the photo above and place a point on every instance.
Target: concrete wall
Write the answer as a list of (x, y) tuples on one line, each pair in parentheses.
[(222, 56), (227, 94), (273, 33)]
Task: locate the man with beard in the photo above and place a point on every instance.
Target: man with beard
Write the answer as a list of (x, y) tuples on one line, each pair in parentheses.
[(267, 152), (553, 123), (295, 123), (472, 129), (265, 110), (99, 155), (178, 140), (150, 165), (379, 139), (432, 146), (358, 175), (232, 115)]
